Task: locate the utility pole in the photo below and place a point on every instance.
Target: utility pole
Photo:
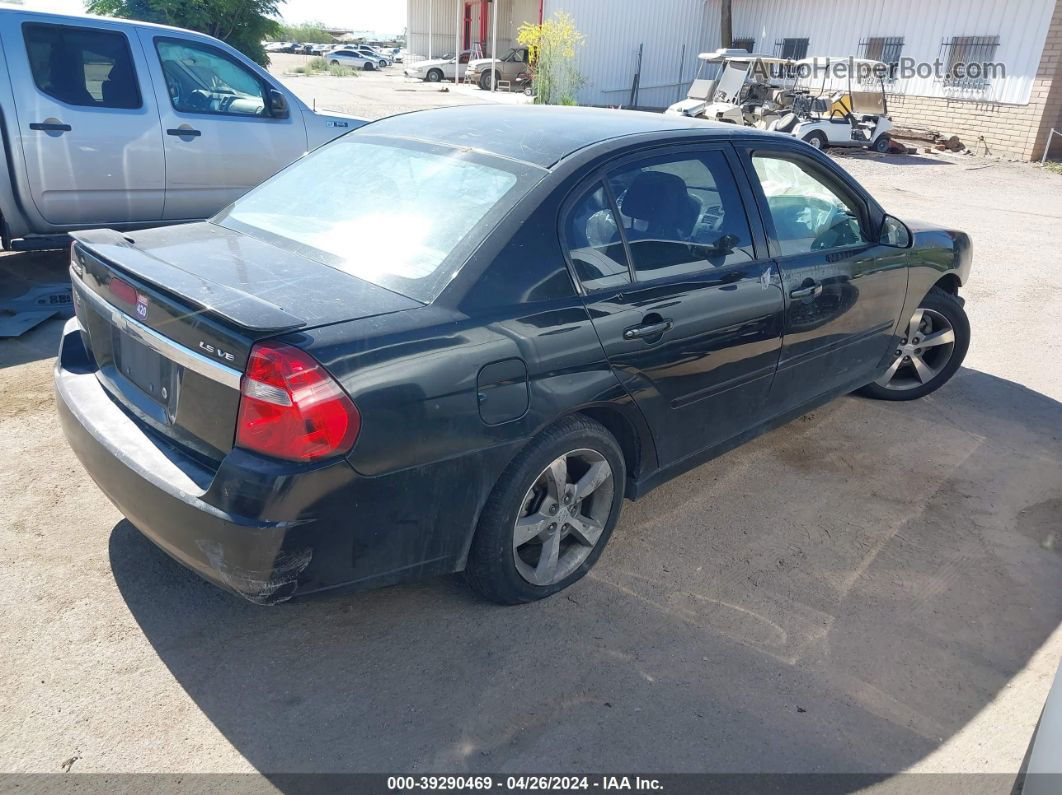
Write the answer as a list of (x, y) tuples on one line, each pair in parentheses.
[(493, 44), (726, 24)]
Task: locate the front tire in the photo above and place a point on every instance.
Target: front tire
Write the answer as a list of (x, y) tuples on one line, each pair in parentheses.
[(931, 349), (881, 144), (484, 80), (550, 514), (434, 75)]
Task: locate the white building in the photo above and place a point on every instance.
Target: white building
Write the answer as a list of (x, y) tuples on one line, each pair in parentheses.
[(657, 42)]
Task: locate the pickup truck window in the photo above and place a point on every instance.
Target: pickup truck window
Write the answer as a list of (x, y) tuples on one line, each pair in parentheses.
[(82, 66), (201, 79)]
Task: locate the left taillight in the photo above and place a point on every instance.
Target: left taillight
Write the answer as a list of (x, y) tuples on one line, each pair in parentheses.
[(291, 408)]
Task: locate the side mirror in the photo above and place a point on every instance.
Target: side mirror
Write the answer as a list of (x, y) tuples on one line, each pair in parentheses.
[(278, 104), (895, 233)]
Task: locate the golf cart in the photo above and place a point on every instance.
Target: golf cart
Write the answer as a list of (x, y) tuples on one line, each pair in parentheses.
[(836, 117), (738, 87)]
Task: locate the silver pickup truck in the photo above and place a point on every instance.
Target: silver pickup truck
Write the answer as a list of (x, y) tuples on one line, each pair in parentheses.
[(123, 124)]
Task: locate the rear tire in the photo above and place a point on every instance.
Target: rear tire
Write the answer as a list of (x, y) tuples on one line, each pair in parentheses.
[(817, 139), (939, 317), (537, 535)]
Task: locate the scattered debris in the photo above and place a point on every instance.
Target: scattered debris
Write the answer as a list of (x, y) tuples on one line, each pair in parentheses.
[(69, 763), (21, 313), (937, 141)]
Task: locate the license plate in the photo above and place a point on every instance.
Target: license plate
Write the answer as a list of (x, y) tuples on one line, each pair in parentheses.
[(150, 372)]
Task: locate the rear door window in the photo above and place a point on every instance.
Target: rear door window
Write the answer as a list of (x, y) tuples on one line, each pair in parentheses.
[(682, 214), (82, 66)]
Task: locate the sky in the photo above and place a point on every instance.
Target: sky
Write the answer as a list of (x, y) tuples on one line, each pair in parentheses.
[(381, 16)]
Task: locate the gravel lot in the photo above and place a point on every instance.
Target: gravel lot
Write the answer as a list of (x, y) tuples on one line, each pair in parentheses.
[(874, 587)]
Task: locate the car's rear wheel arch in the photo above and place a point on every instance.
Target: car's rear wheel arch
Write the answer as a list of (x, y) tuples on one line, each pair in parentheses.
[(618, 424)]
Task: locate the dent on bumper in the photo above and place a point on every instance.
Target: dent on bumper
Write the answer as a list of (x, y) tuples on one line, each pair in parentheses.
[(266, 530), (170, 497)]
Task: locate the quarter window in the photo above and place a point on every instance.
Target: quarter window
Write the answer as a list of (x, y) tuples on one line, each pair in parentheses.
[(82, 66), (594, 242), (808, 215), (682, 215), (201, 79)]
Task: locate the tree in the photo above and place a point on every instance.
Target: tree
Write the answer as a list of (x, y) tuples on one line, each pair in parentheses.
[(551, 50), (242, 24), (305, 32)]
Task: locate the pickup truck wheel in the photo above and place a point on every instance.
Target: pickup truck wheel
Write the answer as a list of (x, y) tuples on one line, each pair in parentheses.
[(881, 144), (550, 514), (484, 80), (434, 75), (931, 348)]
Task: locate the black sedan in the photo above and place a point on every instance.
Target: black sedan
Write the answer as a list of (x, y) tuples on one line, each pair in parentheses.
[(555, 308)]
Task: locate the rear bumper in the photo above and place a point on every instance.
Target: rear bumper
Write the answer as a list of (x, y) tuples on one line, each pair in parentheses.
[(260, 528)]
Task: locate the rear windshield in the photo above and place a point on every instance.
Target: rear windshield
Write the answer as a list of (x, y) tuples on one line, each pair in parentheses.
[(404, 215)]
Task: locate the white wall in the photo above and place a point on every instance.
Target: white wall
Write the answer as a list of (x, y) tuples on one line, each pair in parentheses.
[(614, 29), (445, 14), (836, 27)]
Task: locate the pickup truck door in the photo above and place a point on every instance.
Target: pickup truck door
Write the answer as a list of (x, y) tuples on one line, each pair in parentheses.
[(220, 135), (87, 126)]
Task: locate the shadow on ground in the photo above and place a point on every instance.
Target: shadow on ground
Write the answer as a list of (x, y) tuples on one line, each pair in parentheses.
[(842, 594)]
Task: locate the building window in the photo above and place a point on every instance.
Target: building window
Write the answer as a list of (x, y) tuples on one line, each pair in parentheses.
[(748, 45), (886, 49), (967, 59), (792, 48)]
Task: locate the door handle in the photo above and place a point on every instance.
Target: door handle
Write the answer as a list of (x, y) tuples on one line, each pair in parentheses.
[(182, 131), (648, 330), (811, 291), (50, 126)]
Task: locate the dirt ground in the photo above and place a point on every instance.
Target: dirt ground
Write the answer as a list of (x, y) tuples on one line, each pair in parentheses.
[(875, 587)]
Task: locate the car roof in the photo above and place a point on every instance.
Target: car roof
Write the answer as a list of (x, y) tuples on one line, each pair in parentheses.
[(58, 18), (537, 134)]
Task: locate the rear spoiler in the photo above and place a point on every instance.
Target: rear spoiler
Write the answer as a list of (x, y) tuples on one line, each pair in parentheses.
[(230, 305)]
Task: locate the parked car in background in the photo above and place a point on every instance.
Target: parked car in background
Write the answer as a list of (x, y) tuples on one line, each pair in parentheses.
[(475, 372), (111, 122), (382, 60), (351, 59), (508, 68), (436, 69)]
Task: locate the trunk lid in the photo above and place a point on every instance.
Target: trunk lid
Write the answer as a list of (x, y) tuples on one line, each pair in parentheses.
[(170, 316)]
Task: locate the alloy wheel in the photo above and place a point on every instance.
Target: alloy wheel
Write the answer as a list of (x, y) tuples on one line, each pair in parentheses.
[(923, 353), (562, 516)]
